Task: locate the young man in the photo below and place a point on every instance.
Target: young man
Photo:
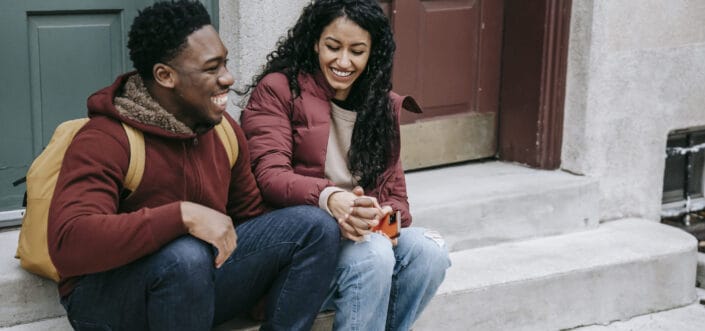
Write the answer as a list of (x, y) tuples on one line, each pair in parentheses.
[(164, 257)]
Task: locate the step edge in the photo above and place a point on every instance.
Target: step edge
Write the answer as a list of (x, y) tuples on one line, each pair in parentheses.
[(555, 275)]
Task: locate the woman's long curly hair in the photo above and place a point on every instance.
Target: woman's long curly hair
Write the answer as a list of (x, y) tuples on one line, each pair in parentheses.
[(374, 127)]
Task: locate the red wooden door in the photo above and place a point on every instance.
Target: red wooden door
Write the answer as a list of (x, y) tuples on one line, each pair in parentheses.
[(448, 59)]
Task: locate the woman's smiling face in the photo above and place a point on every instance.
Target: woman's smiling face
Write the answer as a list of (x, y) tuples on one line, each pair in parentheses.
[(343, 51)]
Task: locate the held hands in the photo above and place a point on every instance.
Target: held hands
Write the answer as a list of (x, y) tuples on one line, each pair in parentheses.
[(356, 213), (212, 227)]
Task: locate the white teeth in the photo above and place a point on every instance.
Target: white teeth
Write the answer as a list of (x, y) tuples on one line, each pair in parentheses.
[(220, 100), (341, 73)]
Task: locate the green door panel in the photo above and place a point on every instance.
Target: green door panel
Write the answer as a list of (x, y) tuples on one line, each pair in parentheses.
[(54, 54), (63, 72)]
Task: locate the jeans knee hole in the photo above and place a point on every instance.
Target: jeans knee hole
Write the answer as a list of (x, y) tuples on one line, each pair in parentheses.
[(435, 237)]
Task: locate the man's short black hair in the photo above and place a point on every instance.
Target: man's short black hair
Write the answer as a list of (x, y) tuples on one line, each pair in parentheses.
[(159, 32)]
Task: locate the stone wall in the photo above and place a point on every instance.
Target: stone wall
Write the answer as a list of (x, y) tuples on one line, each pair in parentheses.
[(250, 30), (636, 71)]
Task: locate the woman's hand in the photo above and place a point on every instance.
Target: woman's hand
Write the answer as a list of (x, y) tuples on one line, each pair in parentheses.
[(356, 213), (386, 210)]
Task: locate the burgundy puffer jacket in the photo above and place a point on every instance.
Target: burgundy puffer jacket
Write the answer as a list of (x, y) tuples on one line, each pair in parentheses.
[(288, 142)]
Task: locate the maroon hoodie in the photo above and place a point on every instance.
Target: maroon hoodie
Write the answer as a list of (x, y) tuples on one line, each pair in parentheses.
[(93, 228)]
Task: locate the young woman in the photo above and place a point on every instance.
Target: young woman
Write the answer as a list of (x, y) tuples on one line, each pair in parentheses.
[(323, 129)]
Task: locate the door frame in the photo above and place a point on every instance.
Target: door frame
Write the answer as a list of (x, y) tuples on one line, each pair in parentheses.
[(532, 92)]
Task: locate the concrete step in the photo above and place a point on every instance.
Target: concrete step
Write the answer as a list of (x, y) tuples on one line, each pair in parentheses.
[(688, 318), (480, 204), (621, 269), (25, 297), (52, 324)]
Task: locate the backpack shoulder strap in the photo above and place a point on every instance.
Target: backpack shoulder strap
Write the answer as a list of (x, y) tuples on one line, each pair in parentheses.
[(135, 170), (227, 136), (135, 138)]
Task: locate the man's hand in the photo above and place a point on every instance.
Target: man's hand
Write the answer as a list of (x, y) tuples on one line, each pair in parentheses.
[(356, 213), (212, 227)]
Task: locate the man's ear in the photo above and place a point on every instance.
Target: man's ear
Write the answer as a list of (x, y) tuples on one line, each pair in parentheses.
[(164, 75)]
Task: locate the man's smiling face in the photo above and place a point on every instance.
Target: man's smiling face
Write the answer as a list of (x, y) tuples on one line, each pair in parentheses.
[(202, 79)]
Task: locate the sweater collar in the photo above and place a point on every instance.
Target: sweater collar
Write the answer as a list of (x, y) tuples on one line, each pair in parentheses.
[(137, 104)]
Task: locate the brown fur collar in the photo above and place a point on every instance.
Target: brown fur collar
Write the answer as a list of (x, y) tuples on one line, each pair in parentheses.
[(136, 103)]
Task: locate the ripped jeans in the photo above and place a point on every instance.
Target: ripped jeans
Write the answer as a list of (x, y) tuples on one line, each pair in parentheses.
[(380, 287)]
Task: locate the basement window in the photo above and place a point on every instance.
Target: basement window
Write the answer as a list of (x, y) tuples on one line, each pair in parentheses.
[(683, 202)]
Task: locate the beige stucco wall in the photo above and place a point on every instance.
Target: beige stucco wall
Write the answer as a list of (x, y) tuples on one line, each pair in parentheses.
[(636, 71), (250, 30)]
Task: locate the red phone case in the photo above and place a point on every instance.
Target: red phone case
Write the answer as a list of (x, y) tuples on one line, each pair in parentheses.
[(390, 225)]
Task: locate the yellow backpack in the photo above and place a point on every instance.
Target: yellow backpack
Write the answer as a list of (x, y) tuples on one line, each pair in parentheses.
[(32, 248)]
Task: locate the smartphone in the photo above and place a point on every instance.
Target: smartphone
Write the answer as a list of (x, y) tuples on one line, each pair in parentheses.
[(390, 225)]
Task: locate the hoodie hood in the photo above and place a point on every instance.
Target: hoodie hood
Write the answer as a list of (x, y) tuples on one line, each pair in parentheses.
[(127, 100)]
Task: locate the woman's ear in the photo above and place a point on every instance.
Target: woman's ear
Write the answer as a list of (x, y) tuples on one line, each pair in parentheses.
[(164, 75), (315, 47)]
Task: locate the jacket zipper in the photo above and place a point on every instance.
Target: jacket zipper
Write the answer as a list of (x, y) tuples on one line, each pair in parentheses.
[(192, 173)]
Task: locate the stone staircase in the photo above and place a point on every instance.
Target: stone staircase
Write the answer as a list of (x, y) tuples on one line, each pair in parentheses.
[(528, 253)]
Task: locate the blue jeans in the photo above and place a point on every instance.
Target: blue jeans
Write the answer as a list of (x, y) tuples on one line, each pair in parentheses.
[(380, 287), (288, 255)]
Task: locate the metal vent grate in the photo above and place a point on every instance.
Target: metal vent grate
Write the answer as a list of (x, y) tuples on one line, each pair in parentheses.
[(683, 202)]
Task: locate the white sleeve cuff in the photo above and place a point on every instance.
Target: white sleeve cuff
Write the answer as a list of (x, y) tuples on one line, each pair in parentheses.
[(325, 194)]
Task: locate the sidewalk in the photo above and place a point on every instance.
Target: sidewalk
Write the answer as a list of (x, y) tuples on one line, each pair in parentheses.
[(688, 318)]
